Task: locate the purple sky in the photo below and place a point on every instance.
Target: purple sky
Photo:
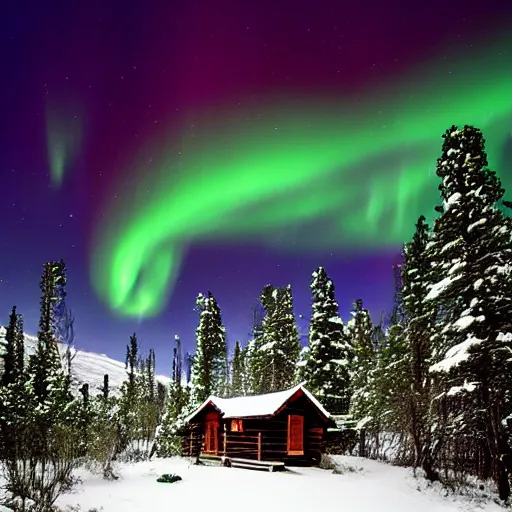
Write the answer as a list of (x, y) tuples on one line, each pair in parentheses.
[(134, 68)]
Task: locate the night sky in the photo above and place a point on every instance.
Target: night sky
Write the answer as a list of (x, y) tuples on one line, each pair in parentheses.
[(168, 148)]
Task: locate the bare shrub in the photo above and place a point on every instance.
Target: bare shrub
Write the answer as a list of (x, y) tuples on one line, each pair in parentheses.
[(39, 468)]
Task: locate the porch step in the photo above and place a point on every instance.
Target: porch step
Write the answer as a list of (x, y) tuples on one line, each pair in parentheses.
[(211, 460), (240, 465), (218, 460), (267, 465)]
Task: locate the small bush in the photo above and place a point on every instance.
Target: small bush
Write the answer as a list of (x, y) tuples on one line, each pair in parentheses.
[(168, 478)]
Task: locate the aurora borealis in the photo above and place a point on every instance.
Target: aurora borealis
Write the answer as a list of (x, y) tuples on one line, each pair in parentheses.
[(179, 148), (251, 173), (64, 134)]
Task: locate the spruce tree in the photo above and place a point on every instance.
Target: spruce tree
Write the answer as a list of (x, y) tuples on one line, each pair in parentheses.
[(383, 402), (132, 356), (51, 386), (168, 441), (363, 367), (276, 353), (177, 361), (11, 339), (146, 409), (471, 286), (289, 346), (104, 389), (329, 356), (238, 370), (104, 441), (129, 396), (210, 361), (45, 365), (415, 272), (300, 372), (19, 349)]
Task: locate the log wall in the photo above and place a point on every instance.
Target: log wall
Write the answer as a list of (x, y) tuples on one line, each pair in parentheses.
[(262, 438)]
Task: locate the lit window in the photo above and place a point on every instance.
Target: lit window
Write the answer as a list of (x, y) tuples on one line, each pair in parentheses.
[(237, 426)]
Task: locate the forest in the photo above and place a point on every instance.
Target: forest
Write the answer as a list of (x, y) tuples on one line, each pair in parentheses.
[(435, 373)]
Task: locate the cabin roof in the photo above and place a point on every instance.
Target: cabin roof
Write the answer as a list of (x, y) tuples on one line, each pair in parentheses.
[(257, 405)]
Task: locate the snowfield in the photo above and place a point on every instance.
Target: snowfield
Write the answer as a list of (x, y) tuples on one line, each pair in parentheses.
[(370, 486)]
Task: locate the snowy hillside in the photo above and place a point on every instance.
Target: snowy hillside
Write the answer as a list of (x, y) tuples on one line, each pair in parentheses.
[(87, 367)]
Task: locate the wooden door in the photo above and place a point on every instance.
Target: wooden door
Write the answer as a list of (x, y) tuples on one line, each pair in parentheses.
[(295, 435), (211, 438)]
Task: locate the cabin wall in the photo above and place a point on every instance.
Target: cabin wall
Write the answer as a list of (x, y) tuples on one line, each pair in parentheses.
[(194, 438), (314, 428), (267, 439), (261, 439)]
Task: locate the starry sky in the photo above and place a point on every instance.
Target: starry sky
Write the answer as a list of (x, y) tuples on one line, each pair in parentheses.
[(168, 148)]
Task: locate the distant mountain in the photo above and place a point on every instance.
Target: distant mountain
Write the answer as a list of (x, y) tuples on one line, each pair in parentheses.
[(87, 367)]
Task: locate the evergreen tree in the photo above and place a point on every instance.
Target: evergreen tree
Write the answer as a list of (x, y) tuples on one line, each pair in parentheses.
[(238, 370), (189, 364), (45, 366), (209, 375), (146, 409), (104, 390), (276, 353), (360, 335), (383, 401), (83, 414), (177, 361), (19, 349), (168, 441), (419, 314), (129, 395), (471, 286), (11, 370), (329, 355), (132, 357), (104, 442), (301, 369)]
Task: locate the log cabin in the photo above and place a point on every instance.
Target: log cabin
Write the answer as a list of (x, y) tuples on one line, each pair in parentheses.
[(286, 427)]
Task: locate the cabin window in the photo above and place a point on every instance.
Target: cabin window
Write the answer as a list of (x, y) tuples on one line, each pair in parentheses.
[(237, 426), (295, 435)]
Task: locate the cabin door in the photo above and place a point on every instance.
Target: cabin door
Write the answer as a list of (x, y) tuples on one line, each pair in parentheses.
[(211, 437), (295, 435)]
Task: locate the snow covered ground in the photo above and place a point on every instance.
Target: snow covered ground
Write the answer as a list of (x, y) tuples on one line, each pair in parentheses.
[(374, 487)]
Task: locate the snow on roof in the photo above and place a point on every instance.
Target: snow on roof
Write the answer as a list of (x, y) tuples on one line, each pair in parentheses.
[(258, 405)]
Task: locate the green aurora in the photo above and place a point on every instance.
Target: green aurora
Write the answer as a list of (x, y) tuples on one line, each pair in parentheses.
[(297, 174), (63, 139)]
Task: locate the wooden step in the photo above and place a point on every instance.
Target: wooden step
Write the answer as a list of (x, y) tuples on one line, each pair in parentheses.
[(240, 465), (210, 459), (267, 463)]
